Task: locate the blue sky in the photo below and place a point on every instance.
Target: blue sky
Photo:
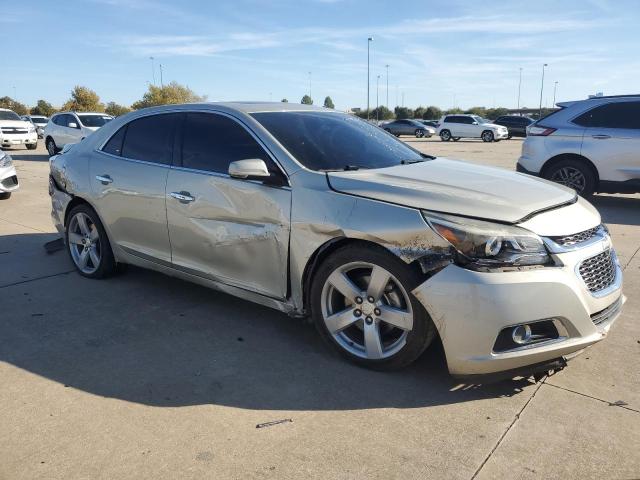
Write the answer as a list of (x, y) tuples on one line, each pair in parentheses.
[(463, 52)]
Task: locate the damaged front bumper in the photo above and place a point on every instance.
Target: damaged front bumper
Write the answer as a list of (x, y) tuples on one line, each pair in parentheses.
[(470, 310), (59, 202)]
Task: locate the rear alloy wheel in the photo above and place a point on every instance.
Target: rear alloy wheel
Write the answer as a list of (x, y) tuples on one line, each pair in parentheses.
[(51, 147), (487, 136), (88, 244), (419, 133), (573, 174), (445, 135), (362, 305)]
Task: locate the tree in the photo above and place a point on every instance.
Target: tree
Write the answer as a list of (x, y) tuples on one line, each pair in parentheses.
[(306, 100), (494, 113), (284, 100), (116, 110), (83, 99), (453, 111), (480, 111), (328, 103), (403, 112), (381, 113), (11, 104), (432, 113), (167, 95), (43, 108), (419, 112)]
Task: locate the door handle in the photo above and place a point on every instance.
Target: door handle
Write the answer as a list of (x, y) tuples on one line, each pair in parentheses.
[(184, 197), (104, 179), (600, 137)]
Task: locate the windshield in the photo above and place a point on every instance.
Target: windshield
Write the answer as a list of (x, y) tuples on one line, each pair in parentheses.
[(335, 141), (478, 119), (94, 120), (8, 115)]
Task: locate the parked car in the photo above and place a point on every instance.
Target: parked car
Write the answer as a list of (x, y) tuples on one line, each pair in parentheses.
[(8, 176), (470, 126), (14, 131), (316, 212), (589, 145), (408, 127), (39, 121), (71, 127), (516, 124), (430, 123)]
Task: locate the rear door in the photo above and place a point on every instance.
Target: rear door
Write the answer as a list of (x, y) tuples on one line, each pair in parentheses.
[(612, 140), (128, 179), (222, 228)]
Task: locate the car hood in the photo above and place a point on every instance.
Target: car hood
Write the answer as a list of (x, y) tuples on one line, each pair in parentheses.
[(455, 187), (15, 123), (493, 125)]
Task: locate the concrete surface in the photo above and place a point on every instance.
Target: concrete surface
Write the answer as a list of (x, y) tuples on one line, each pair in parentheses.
[(145, 376)]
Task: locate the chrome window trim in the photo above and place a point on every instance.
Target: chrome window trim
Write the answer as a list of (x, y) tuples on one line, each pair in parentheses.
[(134, 160)]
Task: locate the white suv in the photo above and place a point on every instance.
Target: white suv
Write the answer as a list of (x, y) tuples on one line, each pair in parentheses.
[(71, 127), (14, 131), (589, 145), (470, 126)]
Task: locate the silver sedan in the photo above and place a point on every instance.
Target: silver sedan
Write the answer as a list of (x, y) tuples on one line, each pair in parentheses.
[(318, 213)]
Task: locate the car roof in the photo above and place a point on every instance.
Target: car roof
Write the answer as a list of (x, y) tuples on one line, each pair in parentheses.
[(243, 107)]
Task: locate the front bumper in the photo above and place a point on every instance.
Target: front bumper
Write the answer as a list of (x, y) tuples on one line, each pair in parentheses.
[(8, 179), (59, 202), (500, 135), (470, 308), (20, 139)]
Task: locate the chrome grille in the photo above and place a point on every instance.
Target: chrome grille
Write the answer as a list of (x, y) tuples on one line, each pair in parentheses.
[(12, 130), (576, 238), (608, 313), (598, 272)]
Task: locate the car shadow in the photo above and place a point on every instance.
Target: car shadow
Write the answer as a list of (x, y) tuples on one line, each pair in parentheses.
[(618, 209), (27, 155), (148, 338)]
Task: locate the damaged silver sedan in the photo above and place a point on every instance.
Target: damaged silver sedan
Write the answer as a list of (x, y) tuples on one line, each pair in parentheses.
[(317, 213)]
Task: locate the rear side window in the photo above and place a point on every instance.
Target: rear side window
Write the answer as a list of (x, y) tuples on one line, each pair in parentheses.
[(151, 138), (451, 120), (211, 142), (612, 115), (114, 145)]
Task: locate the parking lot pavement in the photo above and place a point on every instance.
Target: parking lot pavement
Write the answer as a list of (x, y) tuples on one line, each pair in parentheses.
[(145, 376)]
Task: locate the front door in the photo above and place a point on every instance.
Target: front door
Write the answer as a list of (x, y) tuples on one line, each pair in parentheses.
[(128, 180), (221, 228)]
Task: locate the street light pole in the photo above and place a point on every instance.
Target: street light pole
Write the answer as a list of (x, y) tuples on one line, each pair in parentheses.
[(555, 87), (541, 90), (387, 66), (519, 86), (310, 85), (369, 40), (377, 98), (161, 82), (153, 71)]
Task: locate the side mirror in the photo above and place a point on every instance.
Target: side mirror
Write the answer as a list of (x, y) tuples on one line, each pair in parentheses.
[(475, 123), (72, 125), (249, 169)]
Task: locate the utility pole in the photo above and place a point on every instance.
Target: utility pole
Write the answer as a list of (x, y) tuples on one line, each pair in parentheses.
[(402, 99), (377, 98), (555, 87), (310, 86), (161, 82), (387, 66), (541, 90), (519, 86), (153, 71), (369, 40)]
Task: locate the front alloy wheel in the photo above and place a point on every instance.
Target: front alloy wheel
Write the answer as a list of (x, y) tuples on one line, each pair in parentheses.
[(366, 311), (445, 135), (487, 136)]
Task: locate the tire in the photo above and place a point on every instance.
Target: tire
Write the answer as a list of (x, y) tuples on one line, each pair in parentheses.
[(509, 137), (419, 133), (32, 146), (52, 149), (574, 174), (5, 196), (455, 139), (487, 136), (445, 135), (88, 245), (354, 322)]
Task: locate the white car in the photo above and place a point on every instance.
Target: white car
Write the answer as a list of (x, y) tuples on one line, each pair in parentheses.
[(470, 126), (39, 121), (8, 176), (15, 131), (589, 145), (71, 127)]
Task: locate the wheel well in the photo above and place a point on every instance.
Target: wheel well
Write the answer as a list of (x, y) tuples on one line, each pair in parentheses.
[(75, 201), (324, 251), (485, 131), (569, 156)]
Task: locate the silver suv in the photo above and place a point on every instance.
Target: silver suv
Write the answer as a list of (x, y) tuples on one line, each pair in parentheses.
[(316, 212), (589, 145)]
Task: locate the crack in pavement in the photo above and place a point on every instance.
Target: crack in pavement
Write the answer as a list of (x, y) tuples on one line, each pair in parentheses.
[(37, 278), (611, 404), (516, 418)]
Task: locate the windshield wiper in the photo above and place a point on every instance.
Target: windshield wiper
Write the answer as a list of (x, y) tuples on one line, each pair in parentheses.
[(409, 162), (346, 168)]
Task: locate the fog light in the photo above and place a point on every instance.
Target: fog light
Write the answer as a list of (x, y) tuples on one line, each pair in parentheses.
[(521, 334)]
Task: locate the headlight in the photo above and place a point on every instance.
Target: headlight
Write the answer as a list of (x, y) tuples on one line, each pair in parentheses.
[(32, 129), (5, 159), (486, 244)]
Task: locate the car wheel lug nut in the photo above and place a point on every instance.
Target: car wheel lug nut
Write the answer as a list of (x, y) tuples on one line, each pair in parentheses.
[(358, 300), (357, 312), (371, 299), (377, 311), (369, 320)]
